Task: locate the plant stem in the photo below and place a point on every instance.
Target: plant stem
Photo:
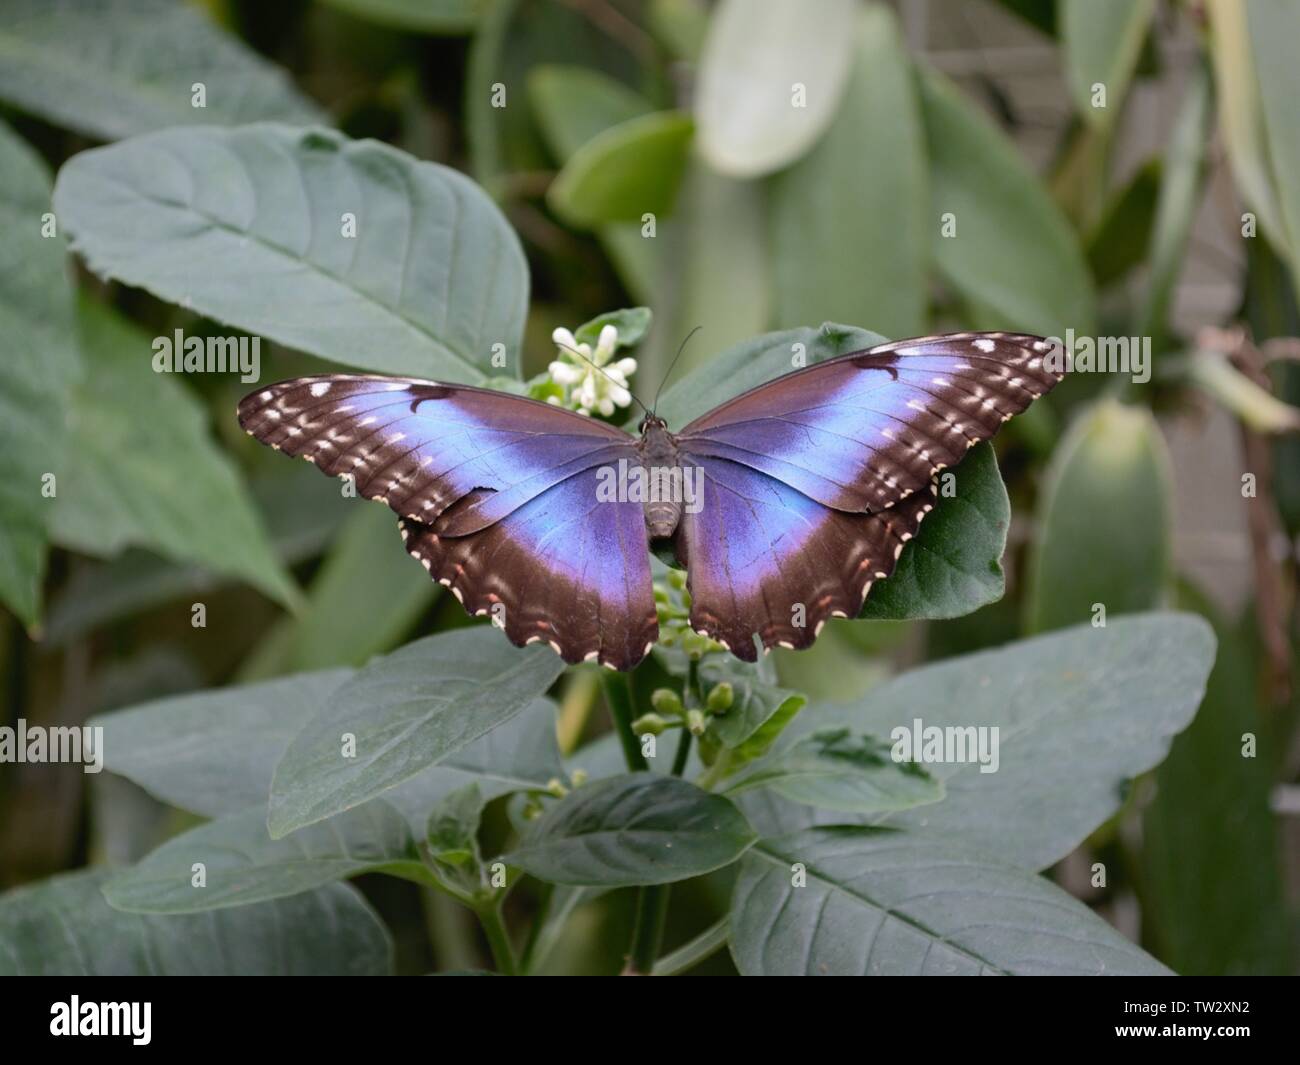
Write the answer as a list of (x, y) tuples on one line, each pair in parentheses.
[(618, 694), (489, 915), (689, 955), (683, 754), (651, 912)]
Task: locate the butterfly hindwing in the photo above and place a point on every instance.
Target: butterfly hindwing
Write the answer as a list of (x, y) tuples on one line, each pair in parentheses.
[(764, 559)]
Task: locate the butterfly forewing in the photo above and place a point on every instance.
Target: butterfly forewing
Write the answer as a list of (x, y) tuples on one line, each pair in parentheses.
[(863, 431)]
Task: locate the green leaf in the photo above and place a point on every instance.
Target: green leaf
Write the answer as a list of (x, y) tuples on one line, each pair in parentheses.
[(141, 470), (1241, 113), (114, 68), (1180, 196), (407, 711), (889, 904), (215, 752), (63, 927), (1120, 239), (1102, 40), (852, 243), (1211, 814), (572, 105), (751, 362), (515, 38), (247, 227), (1014, 253), (757, 56), (36, 375), (632, 324), (839, 769), (953, 566), (625, 172), (452, 842), (364, 598), (419, 16), (1106, 534), (640, 828), (243, 865), (1069, 739), (1274, 25)]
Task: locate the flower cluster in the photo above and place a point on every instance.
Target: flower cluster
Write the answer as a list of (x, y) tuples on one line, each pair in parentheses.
[(589, 381)]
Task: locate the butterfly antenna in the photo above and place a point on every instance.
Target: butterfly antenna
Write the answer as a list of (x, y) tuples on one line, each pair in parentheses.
[(655, 405), (611, 380)]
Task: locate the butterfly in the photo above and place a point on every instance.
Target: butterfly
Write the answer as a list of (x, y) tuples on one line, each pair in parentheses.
[(784, 505)]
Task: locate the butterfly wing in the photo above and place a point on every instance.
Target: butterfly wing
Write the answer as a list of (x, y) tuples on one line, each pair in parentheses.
[(813, 482), (498, 500), (863, 431)]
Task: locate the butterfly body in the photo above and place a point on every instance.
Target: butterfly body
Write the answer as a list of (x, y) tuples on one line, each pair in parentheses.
[(661, 465), (784, 504)]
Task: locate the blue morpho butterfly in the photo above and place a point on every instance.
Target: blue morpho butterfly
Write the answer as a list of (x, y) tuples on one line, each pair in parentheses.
[(810, 485)]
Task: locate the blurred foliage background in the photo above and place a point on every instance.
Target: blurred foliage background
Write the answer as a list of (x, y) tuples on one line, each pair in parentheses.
[(1171, 211)]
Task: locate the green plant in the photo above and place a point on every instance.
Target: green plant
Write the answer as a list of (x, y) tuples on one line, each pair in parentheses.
[(758, 809)]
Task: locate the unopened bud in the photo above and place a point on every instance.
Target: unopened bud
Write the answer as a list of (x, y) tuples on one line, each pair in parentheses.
[(666, 701), (651, 723), (720, 699)]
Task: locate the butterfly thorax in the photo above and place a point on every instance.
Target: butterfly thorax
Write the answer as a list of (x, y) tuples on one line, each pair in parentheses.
[(659, 461)]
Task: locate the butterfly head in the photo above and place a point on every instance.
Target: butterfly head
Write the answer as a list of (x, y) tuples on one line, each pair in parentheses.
[(652, 421)]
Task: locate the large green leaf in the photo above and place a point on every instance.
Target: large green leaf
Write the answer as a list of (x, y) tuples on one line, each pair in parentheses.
[(1213, 899), (141, 470), (640, 828), (364, 598), (851, 243), (1274, 26), (247, 226), (243, 865), (839, 769), (884, 903), (1014, 254), (1102, 41), (770, 78), (63, 927), (215, 752), (625, 171), (114, 68), (1080, 713), (36, 374), (420, 16), (1105, 527), (953, 566), (406, 712)]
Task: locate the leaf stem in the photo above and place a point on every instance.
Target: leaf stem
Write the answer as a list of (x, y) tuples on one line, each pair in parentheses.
[(689, 955), (494, 928)]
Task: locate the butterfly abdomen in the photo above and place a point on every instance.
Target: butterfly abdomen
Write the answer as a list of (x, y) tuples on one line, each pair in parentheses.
[(664, 480)]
